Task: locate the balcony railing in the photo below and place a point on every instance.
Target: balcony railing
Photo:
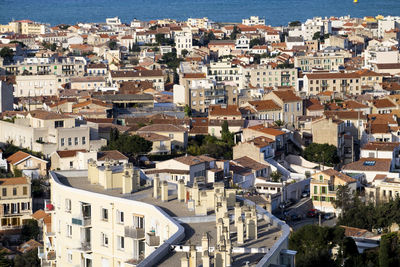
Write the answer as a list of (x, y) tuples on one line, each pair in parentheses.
[(152, 239), (133, 232), (86, 246), (82, 221)]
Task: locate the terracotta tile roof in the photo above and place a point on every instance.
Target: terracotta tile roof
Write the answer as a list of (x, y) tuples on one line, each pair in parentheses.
[(224, 110), (379, 177), (286, 95), (247, 162), (369, 164), (17, 157), (13, 181), (383, 103), (69, 153), (266, 130), (154, 137), (351, 104), (193, 160), (342, 176), (194, 75), (47, 115), (29, 245), (90, 102), (39, 214), (336, 75), (345, 114), (265, 105), (135, 74), (261, 141), (162, 128), (387, 66), (381, 146), (171, 171), (110, 154)]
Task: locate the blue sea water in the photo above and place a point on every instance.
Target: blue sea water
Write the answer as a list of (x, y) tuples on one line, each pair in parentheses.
[(276, 12)]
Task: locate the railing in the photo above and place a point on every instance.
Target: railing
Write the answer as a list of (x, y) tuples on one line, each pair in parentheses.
[(85, 246), (152, 239), (82, 221), (133, 232)]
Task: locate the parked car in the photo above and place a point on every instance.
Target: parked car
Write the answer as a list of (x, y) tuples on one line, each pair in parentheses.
[(295, 217), (329, 215), (312, 213), (305, 194)]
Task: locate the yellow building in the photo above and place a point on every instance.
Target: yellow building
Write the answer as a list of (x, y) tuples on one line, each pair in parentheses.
[(15, 203), (24, 27), (323, 188)]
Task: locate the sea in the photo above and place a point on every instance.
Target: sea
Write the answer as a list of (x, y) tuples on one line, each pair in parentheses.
[(276, 12)]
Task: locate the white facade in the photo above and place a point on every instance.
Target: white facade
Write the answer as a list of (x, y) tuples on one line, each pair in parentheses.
[(183, 41)]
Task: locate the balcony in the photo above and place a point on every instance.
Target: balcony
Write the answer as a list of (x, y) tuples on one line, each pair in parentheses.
[(85, 246), (48, 206), (152, 239), (133, 232), (84, 222)]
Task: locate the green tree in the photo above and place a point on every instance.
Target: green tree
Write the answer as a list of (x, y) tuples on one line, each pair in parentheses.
[(295, 23), (6, 53), (30, 230), (278, 123), (112, 45), (389, 250), (344, 199), (4, 261), (188, 111), (130, 145), (256, 41), (37, 188), (226, 135), (324, 154), (27, 259), (171, 60), (17, 172), (275, 176), (317, 36), (234, 32), (184, 52)]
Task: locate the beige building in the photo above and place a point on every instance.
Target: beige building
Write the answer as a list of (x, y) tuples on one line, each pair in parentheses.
[(24, 27), (161, 143), (325, 61), (15, 204), (155, 76), (178, 135), (382, 189), (329, 131), (31, 166), (292, 105), (36, 85), (323, 187), (87, 83), (267, 76), (47, 132)]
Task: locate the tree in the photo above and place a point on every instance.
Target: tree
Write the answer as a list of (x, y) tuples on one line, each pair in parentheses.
[(188, 111), (112, 45), (4, 261), (324, 154), (226, 135), (171, 60), (130, 145), (6, 53), (317, 36), (30, 230), (275, 176), (234, 32), (27, 259), (295, 23), (389, 250), (278, 123), (256, 41), (184, 52), (344, 198)]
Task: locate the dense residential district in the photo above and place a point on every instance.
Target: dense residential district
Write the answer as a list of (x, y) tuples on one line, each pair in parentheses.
[(200, 143)]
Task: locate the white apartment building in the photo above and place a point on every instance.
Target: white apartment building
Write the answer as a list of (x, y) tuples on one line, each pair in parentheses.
[(267, 76), (36, 85), (183, 41), (47, 132), (201, 23), (386, 24), (225, 71), (95, 227), (321, 60), (253, 20)]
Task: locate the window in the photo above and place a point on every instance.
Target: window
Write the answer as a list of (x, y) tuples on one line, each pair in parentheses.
[(323, 189), (120, 216), (62, 142), (321, 178), (14, 191), (104, 214), (298, 106), (171, 136), (69, 141), (71, 164), (69, 230), (69, 256), (4, 193), (58, 124), (25, 190), (104, 239), (83, 140), (76, 141), (120, 242), (315, 189), (67, 205), (286, 107)]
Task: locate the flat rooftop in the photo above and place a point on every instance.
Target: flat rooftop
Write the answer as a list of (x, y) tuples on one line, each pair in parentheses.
[(267, 234)]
